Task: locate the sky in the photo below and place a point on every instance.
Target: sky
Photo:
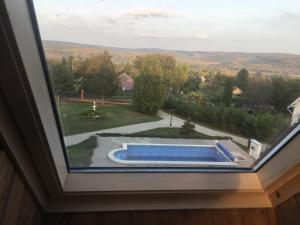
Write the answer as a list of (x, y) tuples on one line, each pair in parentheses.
[(192, 25)]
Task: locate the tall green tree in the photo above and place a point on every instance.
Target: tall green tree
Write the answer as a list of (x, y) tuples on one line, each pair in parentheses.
[(62, 77), (102, 80), (258, 93), (128, 68), (227, 93), (80, 73), (148, 94), (174, 75), (180, 76), (242, 79), (192, 83)]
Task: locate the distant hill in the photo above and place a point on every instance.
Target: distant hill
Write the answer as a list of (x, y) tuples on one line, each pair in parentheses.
[(227, 62)]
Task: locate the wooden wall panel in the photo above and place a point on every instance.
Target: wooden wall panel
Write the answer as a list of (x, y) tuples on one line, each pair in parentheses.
[(138, 218), (58, 219), (287, 213), (85, 218), (172, 217), (202, 217), (14, 202), (17, 206), (255, 217), (228, 217), (6, 178), (113, 218), (29, 213), (298, 198), (290, 212), (273, 217), (168, 217)]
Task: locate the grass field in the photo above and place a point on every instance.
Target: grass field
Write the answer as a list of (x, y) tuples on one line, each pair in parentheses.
[(116, 116), (80, 155), (167, 132), (171, 133)]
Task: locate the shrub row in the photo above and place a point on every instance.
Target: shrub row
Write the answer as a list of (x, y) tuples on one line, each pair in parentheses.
[(194, 135), (264, 126)]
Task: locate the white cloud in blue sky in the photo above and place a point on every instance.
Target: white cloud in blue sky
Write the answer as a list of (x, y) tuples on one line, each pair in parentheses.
[(197, 25)]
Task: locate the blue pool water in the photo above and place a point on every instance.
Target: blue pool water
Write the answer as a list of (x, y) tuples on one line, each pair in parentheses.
[(185, 153)]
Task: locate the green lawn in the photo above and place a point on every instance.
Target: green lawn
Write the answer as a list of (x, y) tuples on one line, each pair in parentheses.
[(116, 116), (80, 155), (167, 132)]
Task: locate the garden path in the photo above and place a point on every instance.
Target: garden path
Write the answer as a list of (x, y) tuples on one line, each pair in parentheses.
[(164, 122)]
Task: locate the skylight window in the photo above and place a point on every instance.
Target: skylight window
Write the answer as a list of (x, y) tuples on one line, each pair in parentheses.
[(172, 84)]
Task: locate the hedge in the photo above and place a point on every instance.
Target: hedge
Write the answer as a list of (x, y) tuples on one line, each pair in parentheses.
[(264, 126)]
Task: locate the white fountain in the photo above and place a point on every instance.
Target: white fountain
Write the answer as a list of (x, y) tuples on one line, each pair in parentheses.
[(94, 106)]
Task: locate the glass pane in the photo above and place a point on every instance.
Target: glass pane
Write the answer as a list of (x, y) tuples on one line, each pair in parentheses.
[(160, 84)]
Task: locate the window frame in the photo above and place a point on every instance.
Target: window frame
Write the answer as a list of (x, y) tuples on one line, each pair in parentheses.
[(281, 142), (33, 102)]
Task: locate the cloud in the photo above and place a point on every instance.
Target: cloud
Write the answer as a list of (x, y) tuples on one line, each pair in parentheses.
[(289, 22), (150, 35), (201, 36), (290, 16), (145, 13)]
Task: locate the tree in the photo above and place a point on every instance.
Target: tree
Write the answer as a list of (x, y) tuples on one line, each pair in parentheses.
[(63, 77), (148, 94), (128, 69), (150, 65), (188, 127), (173, 75), (257, 93), (179, 77), (227, 93), (284, 92), (280, 93), (80, 73), (193, 83), (213, 87), (102, 79), (242, 79)]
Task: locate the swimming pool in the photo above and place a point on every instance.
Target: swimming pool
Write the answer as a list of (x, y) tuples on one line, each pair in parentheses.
[(135, 153)]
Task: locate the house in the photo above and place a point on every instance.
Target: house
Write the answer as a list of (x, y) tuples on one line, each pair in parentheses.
[(237, 91), (294, 109), (125, 82)]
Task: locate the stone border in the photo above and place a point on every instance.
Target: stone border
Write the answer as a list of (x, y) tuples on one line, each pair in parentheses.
[(112, 157)]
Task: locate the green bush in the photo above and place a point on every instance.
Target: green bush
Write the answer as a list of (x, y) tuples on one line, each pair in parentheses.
[(166, 133), (91, 114), (264, 126), (188, 127), (148, 94)]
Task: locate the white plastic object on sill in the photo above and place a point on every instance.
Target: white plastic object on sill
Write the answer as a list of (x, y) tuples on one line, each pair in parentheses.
[(255, 148)]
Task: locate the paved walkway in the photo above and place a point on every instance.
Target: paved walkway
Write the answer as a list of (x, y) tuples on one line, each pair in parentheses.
[(164, 122)]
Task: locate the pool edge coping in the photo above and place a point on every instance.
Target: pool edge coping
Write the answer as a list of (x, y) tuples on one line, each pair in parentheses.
[(132, 162)]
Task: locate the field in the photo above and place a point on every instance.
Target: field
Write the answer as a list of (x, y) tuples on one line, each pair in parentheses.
[(80, 155), (260, 64), (166, 132), (115, 116)]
